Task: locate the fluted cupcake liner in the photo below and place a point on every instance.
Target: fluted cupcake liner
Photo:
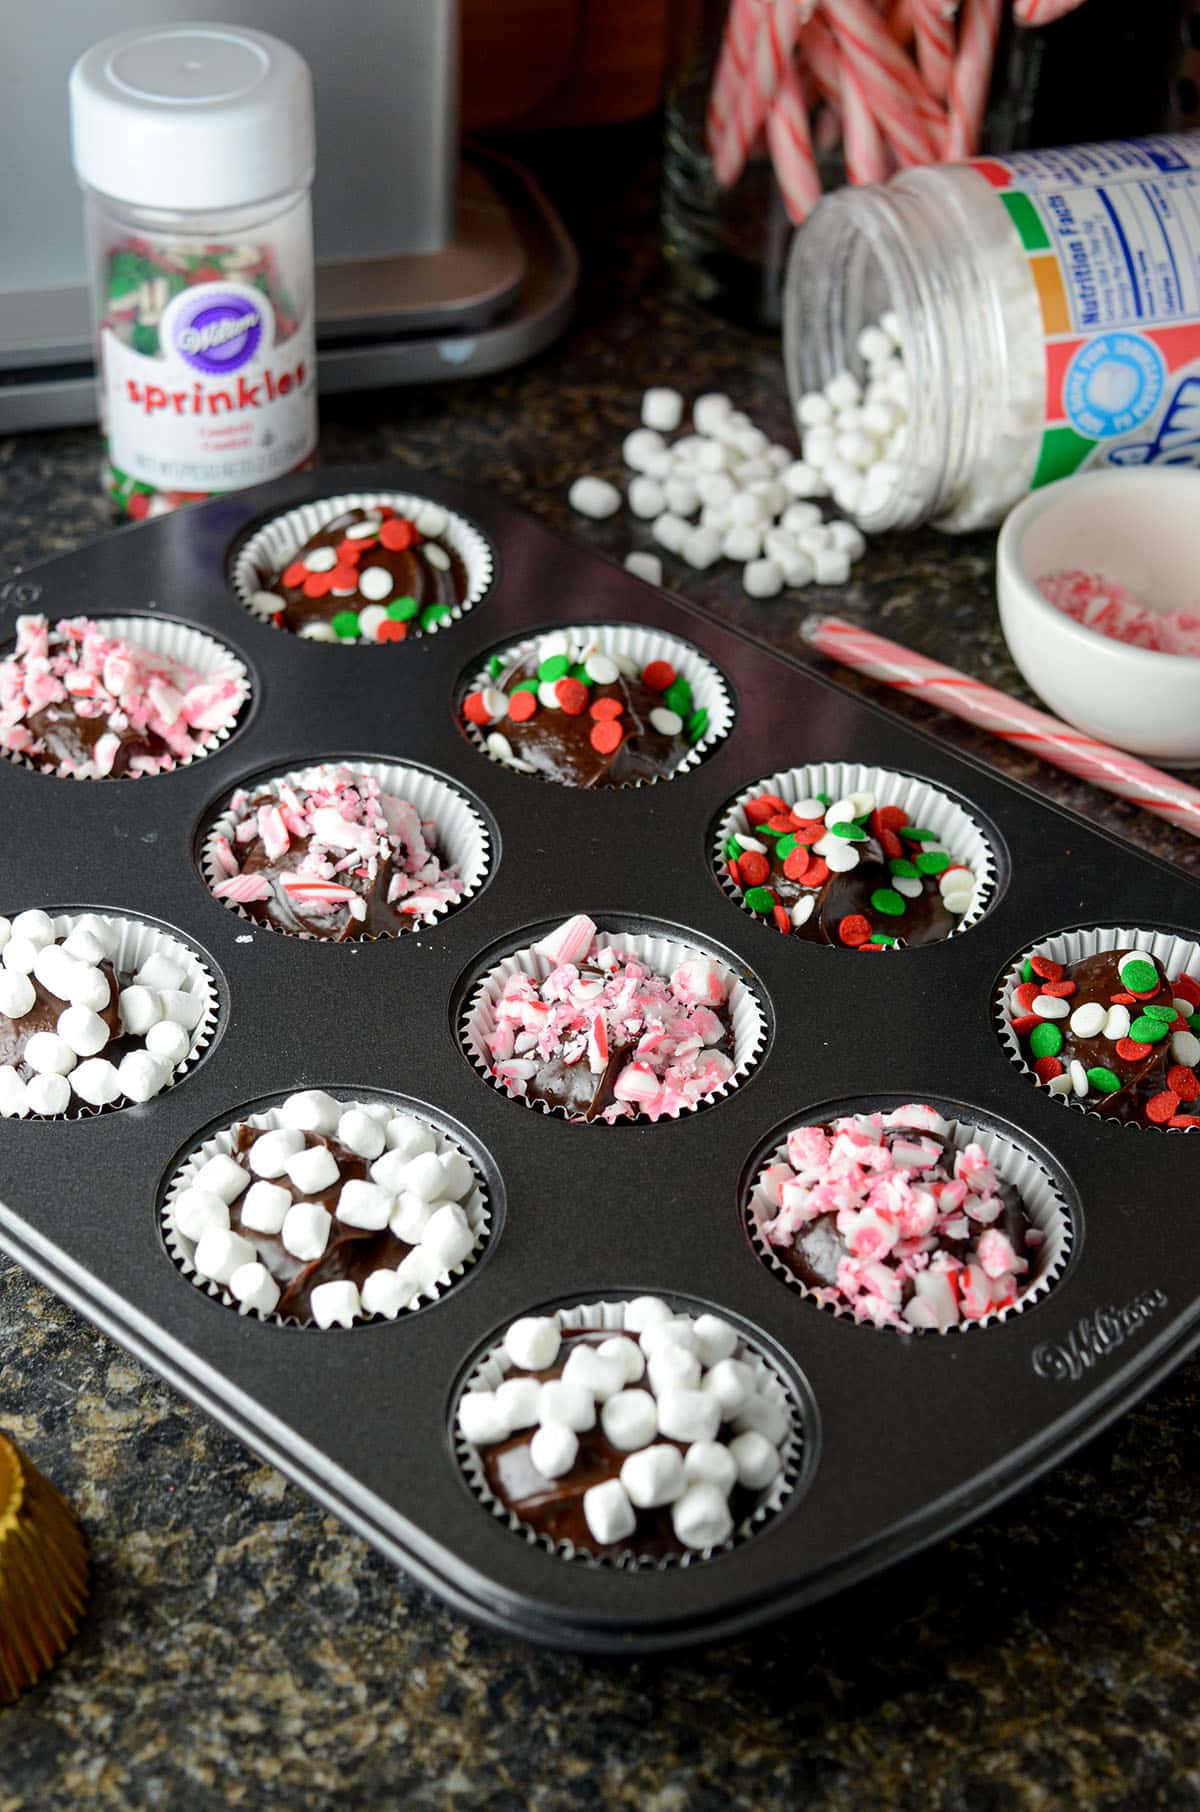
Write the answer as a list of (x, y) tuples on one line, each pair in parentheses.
[(1043, 1201), (180, 644), (459, 832), (925, 804), (662, 954), (637, 643), (221, 1144), (43, 1574), (137, 942), (277, 543), (491, 1368), (1176, 956)]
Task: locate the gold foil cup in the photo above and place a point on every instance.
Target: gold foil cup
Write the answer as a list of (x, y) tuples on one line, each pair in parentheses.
[(43, 1574)]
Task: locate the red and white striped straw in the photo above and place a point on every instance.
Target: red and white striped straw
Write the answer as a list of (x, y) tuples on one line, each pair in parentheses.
[(791, 149), (1112, 770), (970, 78)]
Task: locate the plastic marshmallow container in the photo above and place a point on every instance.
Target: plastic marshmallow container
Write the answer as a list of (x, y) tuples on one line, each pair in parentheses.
[(963, 333)]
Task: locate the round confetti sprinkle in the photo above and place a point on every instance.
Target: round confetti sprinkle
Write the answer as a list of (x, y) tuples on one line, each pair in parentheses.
[(397, 535), (572, 697), (886, 899), (1103, 1080), (433, 614), (1130, 1050), (905, 870), (884, 940), (1187, 989), (817, 872), (1025, 995), (1184, 1081), (1161, 1108), (402, 610), (1059, 990), (391, 631), (1167, 1014), (475, 710), (295, 574), (733, 849), (1025, 1023), (604, 709), (555, 667), (1047, 1068), (522, 705), (782, 919), (1146, 1030), (854, 930), (1045, 967), (345, 624), (696, 726), (607, 736), (317, 585), (755, 868), (658, 675), (846, 828), (760, 899), (786, 845), (767, 805), (1045, 1040), (1140, 976), (890, 817), (934, 863), (796, 863)]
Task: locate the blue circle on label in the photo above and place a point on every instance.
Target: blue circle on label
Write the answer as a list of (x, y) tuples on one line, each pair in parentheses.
[(1114, 382)]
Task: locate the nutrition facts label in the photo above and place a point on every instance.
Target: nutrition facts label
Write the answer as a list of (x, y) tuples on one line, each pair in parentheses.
[(1130, 250)]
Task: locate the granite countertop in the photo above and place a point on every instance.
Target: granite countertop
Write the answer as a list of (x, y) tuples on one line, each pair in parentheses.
[(243, 1649)]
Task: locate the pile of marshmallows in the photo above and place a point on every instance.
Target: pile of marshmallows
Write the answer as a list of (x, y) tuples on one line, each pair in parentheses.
[(724, 491), (417, 1182), (678, 1381), (156, 1007)]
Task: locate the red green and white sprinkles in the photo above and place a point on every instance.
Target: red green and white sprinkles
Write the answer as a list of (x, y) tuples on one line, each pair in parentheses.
[(373, 607)]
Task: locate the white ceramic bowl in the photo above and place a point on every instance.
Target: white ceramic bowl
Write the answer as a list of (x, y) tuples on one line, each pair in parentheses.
[(1141, 529)]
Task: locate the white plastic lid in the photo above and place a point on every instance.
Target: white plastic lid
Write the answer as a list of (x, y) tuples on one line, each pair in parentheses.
[(192, 117)]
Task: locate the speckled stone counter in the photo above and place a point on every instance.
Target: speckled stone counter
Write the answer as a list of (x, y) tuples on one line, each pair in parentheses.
[(243, 1650)]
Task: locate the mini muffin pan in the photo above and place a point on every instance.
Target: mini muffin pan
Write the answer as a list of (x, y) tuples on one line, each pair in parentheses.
[(904, 1438)]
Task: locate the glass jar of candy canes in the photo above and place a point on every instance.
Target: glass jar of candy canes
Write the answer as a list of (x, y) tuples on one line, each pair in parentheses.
[(194, 146), (963, 333)]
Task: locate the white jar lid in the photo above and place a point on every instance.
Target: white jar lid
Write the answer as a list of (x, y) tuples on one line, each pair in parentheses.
[(192, 117)]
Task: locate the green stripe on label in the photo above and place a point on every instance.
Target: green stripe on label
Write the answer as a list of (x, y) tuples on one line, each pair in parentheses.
[(1027, 221), (1063, 451)]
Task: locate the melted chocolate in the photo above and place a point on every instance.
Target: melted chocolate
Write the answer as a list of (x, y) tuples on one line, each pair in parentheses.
[(1097, 978), (559, 746), (43, 1016), (413, 575), (554, 1507), (66, 735), (351, 1252)]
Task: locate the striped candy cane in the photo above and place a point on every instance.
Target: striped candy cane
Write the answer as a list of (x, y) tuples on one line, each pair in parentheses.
[(970, 79), (907, 116), (732, 65), (1042, 12), (1112, 770), (792, 150), (770, 58), (866, 154), (933, 31)]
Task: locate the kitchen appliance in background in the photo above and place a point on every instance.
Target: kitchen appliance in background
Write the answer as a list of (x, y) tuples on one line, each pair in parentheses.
[(432, 262)]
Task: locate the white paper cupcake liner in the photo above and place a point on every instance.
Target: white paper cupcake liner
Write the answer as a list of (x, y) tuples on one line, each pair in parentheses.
[(276, 544), (460, 833), (642, 645), (1176, 956), (492, 1367), (1043, 1201), (220, 1144), (661, 954), (137, 942), (925, 804), (173, 642)]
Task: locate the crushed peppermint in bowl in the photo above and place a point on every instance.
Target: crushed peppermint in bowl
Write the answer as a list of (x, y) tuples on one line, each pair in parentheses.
[(907, 1218), (344, 851), (116, 697), (605, 1027)]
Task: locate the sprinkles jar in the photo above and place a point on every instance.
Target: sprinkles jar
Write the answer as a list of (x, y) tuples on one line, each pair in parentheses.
[(194, 146)]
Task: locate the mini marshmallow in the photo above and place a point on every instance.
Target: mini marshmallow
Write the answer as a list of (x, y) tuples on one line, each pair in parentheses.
[(253, 1286), (628, 1354), (166, 1041), (222, 1176), (5, 930), (762, 579), (265, 1207), (95, 1081), (608, 1512), (87, 987), (756, 1460), (715, 1339), (458, 1178), (14, 1096), (219, 1253), (158, 971), (305, 1230), (365, 1205), (654, 1476), (311, 1110), (831, 566), (630, 1419), (671, 1367), (20, 956), (91, 940), (313, 1169), (338, 1301), (49, 1054), (409, 1218), (423, 1176), (48, 1094), (670, 531), (640, 450), (766, 1416), (408, 1136), (532, 1343), (594, 497), (17, 993), (681, 496), (662, 409), (82, 1030), (417, 1273), (553, 1449), (679, 1332), (731, 1382), (700, 1518), (383, 1294), (710, 1463), (36, 926), (141, 1076), (702, 548), (742, 542), (587, 1368), (646, 498), (711, 411), (270, 1152), (645, 566), (54, 969), (645, 1312), (448, 1237), (688, 1415), (519, 1400), (569, 1403), (196, 1212), (181, 1008), (360, 1133), (140, 1008)]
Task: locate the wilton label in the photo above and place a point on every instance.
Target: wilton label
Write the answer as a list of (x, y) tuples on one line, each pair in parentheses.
[(1094, 1337), (222, 406)]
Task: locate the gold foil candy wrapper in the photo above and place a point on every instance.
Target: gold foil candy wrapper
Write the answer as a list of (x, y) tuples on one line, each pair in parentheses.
[(43, 1574)]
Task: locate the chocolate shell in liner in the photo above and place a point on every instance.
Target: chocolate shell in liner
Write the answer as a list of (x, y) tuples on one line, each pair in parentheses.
[(178, 643), (1174, 955), (661, 954), (134, 943), (492, 1367), (623, 641), (926, 805), (273, 547), (221, 1144), (458, 832), (1041, 1197)]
